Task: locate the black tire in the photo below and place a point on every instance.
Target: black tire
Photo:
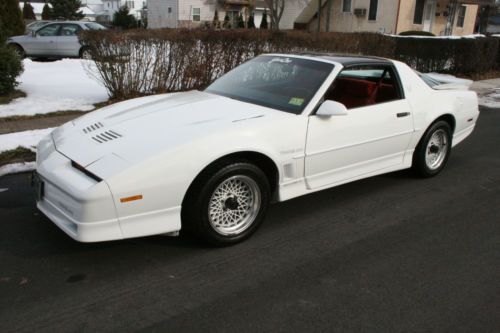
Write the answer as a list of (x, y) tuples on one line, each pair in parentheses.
[(19, 50), (420, 164), (195, 209)]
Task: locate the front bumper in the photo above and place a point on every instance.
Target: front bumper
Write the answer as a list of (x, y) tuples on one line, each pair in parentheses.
[(87, 210), (76, 203)]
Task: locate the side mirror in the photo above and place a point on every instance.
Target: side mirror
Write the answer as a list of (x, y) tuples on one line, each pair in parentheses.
[(33, 34), (331, 108)]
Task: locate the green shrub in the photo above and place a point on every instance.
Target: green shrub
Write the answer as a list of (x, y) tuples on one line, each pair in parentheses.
[(11, 19), (123, 19), (416, 33), (10, 68)]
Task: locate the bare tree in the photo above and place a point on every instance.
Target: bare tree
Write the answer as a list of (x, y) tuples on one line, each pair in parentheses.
[(276, 8)]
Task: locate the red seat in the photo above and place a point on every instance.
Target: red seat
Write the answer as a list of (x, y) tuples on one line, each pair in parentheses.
[(354, 92), (386, 92)]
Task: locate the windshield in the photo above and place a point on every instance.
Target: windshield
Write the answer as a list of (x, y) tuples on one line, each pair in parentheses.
[(278, 82)]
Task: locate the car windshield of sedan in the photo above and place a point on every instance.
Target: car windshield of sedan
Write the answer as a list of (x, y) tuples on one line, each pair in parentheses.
[(278, 82)]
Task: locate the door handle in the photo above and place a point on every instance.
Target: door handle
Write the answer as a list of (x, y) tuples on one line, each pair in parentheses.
[(403, 114)]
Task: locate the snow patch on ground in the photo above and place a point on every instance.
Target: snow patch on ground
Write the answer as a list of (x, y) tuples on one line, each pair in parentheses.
[(491, 99), (17, 167), (55, 86), (26, 139)]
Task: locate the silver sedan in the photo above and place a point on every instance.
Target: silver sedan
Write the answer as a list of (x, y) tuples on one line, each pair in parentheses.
[(54, 40)]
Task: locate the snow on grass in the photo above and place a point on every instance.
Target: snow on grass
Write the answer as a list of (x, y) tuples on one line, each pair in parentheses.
[(491, 100), (55, 86), (17, 167), (26, 139)]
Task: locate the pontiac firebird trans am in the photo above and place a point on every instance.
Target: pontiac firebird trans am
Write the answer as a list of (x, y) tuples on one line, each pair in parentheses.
[(274, 128)]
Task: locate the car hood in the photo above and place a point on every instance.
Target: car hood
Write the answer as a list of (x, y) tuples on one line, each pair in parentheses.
[(131, 131)]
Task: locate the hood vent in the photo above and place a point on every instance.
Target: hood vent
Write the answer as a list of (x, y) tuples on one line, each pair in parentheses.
[(106, 136), (92, 128)]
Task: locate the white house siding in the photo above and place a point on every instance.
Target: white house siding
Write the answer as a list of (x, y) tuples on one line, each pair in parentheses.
[(292, 10), (159, 16), (348, 22)]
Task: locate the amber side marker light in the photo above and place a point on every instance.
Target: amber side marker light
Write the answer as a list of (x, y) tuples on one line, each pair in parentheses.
[(132, 198)]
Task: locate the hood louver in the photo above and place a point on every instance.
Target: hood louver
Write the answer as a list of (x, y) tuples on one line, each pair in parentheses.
[(92, 128), (106, 136)]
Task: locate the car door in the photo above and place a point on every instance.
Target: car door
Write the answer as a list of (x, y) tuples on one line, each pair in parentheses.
[(67, 41), (44, 41), (373, 136)]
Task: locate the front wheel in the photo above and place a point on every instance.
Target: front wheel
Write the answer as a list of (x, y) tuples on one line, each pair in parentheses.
[(18, 50), (433, 151), (227, 203)]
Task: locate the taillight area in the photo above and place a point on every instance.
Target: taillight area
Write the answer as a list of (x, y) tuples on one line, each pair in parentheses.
[(85, 171)]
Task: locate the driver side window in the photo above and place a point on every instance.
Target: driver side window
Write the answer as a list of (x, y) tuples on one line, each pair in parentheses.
[(48, 31), (361, 86)]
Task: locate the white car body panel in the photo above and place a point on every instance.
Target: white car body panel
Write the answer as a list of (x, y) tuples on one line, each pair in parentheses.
[(156, 146)]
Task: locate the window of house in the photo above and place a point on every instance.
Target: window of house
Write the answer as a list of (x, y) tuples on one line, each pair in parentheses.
[(346, 6), (372, 13), (461, 16), (361, 86), (419, 12), (196, 14), (130, 4), (169, 10)]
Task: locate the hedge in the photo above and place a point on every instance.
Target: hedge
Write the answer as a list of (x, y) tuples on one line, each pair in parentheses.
[(143, 62)]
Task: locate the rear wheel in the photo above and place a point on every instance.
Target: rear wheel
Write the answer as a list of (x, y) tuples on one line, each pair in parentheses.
[(433, 151), (227, 203)]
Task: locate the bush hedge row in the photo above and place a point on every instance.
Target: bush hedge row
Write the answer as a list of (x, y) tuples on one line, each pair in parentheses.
[(142, 62)]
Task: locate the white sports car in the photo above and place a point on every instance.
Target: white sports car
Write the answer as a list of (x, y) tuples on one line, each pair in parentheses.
[(274, 128)]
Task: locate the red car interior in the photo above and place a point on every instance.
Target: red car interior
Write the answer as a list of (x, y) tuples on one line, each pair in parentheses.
[(355, 93)]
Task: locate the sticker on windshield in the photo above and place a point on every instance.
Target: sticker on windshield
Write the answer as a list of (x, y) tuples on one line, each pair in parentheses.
[(296, 101)]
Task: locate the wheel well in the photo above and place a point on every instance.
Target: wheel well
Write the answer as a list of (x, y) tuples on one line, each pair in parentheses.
[(449, 119), (16, 45), (262, 161)]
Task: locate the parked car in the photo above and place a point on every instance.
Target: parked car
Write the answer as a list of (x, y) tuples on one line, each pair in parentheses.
[(274, 128), (54, 40)]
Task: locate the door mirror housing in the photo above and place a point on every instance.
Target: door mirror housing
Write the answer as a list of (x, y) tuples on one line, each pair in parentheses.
[(33, 34), (331, 108)]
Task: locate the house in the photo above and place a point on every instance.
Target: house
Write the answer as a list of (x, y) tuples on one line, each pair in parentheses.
[(196, 13), (440, 17), (110, 7)]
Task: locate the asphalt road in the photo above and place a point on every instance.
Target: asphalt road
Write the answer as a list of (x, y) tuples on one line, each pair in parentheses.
[(388, 254)]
